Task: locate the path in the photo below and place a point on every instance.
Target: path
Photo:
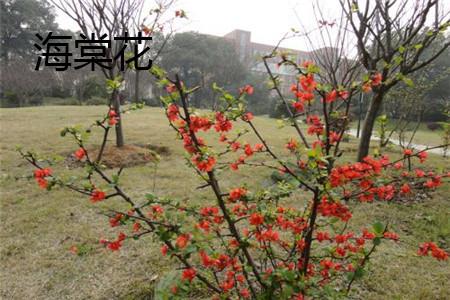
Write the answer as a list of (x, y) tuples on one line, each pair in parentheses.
[(419, 147)]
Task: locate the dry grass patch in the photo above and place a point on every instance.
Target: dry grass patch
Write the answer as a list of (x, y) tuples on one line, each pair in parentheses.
[(37, 228)]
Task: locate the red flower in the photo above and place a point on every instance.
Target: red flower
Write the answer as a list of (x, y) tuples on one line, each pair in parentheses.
[(113, 222), (340, 251), (199, 123), (244, 293), (204, 224), (331, 96), (335, 209), (376, 79), (235, 146), (112, 116), (292, 145), (248, 89), (115, 246), (433, 183), (248, 116), (305, 96), (405, 189), (366, 88), (80, 153), (316, 126), (368, 235), (42, 182), (157, 209), (307, 82), (182, 240), (298, 297), (173, 112), (121, 236), (258, 147), (237, 194), (209, 211), (164, 250), (268, 235), (204, 165), (298, 106), (398, 165), (343, 94), (322, 236), (334, 137), (407, 152), (136, 226), (342, 238), (189, 274), (97, 195), (227, 285), (112, 113), (436, 252), (222, 123), (391, 235), (422, 156), (41, 173), (248, 150), (419, 173), (256, 219), (307, 63)]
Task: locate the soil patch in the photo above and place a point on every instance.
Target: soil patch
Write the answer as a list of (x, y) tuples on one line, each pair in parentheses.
[(123, 157)]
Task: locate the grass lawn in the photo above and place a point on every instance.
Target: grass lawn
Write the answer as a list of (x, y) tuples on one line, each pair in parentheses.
[(38, 228), (423, 135)]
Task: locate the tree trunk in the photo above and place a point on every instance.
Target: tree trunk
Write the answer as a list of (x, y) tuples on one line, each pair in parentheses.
[(369, 122), (119, 132), (136, 87)]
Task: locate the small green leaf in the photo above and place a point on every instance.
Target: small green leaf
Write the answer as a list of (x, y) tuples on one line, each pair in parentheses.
[(408, 81), (378, 228), (377, 241)]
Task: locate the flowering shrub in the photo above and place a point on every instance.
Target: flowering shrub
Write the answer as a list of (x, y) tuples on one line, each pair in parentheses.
[(248, 243)]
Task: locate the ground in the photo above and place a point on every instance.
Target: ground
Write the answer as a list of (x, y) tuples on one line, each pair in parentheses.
[(38, 228)]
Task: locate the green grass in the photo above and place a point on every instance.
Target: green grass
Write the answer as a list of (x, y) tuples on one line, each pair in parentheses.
[(38, 227), (423, 135)]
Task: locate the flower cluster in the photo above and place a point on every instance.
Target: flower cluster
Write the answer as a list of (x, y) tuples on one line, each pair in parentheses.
[(430, 247), (113, 118), (40, 175)]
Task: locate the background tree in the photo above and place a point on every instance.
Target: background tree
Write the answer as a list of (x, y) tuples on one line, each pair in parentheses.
[(114, 18), (203, 60), (392, 37), (20, 21)]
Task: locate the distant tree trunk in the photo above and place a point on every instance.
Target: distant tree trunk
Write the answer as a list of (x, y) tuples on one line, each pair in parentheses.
[(369, 121), (136, 86), (120, 142)]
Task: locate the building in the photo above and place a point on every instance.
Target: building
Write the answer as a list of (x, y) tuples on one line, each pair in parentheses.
[(251, 53)]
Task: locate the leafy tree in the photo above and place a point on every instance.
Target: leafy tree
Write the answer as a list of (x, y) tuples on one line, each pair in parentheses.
[(21, 20), (392, 38), (203, 60), (428, 95)]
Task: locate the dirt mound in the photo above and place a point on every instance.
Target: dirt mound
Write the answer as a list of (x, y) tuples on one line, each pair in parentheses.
[(126, 156)]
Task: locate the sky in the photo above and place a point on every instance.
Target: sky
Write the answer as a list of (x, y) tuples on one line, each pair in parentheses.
[(267, 20)]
